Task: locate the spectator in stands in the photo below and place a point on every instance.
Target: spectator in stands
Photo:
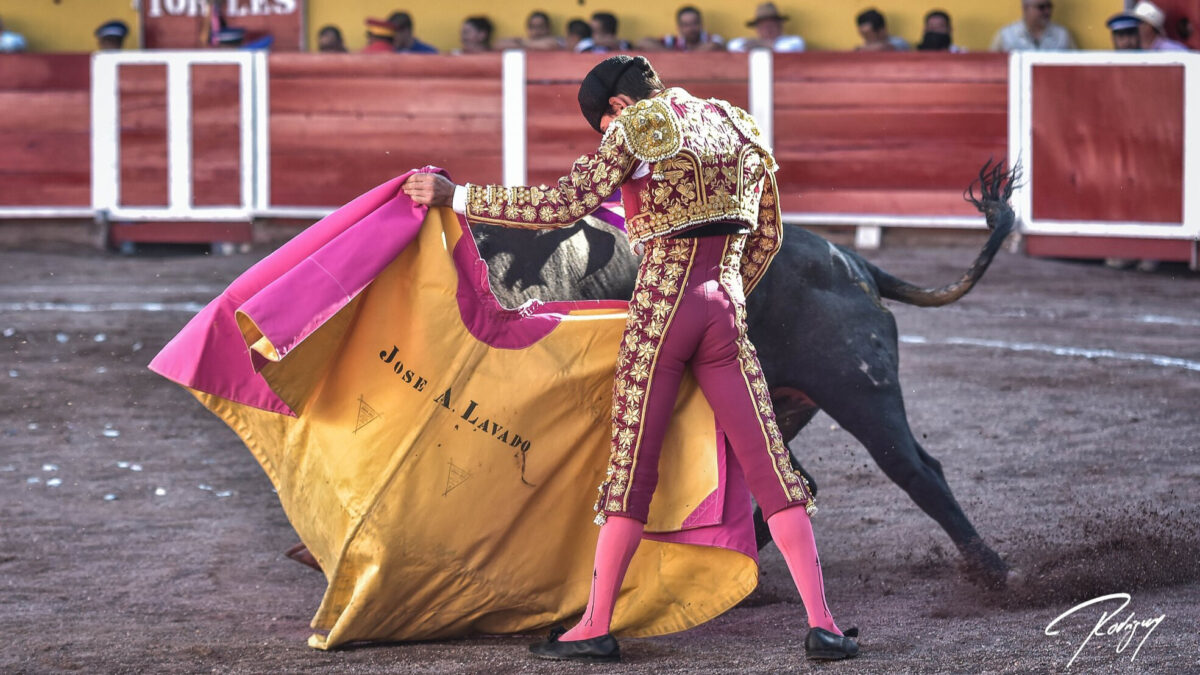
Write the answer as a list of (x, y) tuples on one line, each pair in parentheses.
[(604, 34), (768, 23), (476, 35), (11, 42), (579, 36), (329, 40), (690, 35), (1151, 29), (111, 35), (873, 29), (1034, 32), (404, 41), (380, 37), (1124, 30), (537, 35), (937, 35)]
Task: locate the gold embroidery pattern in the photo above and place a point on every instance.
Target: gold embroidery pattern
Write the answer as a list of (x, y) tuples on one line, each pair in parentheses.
[(650, 129), (766, 240), (661, 278), (714, 176), (794, 485), (591, 180), (745, 123)]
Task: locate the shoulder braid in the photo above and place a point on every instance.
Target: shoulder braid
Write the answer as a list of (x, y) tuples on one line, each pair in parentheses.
[(745, 123)]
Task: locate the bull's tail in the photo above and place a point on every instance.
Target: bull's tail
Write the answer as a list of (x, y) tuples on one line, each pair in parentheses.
[(995, 187)]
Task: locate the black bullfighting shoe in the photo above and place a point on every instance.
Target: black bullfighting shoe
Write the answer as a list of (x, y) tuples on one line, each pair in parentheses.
[(603, 649), (824, 645)]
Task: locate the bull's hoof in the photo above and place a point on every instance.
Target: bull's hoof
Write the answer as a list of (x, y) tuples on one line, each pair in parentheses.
[(302, 555), (984, 567)]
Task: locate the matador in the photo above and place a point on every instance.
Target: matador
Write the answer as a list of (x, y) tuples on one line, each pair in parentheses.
[(697, 183)]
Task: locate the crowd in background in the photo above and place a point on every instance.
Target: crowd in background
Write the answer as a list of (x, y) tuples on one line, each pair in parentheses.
[(1142, 27)]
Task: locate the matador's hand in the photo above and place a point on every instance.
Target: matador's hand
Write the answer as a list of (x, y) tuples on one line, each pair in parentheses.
[(430, 189)]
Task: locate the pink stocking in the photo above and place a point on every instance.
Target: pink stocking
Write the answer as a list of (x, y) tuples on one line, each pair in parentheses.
[(792, 532), (619, 537)]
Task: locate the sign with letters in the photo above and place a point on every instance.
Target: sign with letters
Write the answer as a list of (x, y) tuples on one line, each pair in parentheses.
[(185, 24)]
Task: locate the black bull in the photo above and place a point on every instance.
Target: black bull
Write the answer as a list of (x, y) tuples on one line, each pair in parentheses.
[(824, 337)]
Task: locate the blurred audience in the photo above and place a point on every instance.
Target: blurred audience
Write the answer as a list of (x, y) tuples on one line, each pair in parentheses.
[(11, 42), (476, 35), (329, 40), (404, 41), (937, 36), (111, 35), (768, 24), (579, 35), (1152, 29), (873, 29), (538, 35), (689, 36), (1124, 30), (1034, 32), (380, 36), (604, 34)]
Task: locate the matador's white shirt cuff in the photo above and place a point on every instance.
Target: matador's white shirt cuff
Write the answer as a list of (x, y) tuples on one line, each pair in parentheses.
[(460, 199)]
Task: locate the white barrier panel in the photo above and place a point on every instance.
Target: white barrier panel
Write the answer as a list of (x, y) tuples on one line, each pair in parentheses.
[(1020, 142), (106, 134)]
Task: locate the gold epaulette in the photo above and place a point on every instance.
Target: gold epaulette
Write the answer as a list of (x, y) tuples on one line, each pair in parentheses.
[(745, 123), (651, 131)]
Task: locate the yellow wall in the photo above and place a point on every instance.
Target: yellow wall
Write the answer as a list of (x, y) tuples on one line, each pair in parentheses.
[(67, 25)]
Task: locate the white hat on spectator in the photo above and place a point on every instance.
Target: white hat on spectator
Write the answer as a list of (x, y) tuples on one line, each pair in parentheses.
[(1150, 13)]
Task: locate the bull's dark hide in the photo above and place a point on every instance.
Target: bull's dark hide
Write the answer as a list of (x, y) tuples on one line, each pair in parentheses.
[(826, 343)]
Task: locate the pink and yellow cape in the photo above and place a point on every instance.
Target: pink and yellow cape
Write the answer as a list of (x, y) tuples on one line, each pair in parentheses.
[(438, 453)]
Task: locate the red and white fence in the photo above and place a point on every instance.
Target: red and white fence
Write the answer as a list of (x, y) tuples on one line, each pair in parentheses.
[(865, 140)]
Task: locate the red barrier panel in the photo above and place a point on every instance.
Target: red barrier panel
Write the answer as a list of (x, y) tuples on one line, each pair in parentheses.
[(45, 130), (1108, 143), (216, 143), (343, 123), (143, 134), (889, 134)]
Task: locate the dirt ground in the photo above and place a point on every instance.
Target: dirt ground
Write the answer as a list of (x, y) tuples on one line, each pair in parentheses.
[(138, 535)]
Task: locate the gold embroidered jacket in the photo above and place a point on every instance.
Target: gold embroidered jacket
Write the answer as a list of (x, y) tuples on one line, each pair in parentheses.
[(708, 163)]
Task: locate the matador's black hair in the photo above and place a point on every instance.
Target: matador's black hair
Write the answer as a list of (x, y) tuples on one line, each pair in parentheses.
[(622, 74)]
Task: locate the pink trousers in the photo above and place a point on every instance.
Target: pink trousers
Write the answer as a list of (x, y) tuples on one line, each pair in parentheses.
[(688, 309)]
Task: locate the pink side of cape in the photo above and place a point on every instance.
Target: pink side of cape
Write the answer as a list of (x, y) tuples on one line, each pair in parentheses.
[(292, 292)]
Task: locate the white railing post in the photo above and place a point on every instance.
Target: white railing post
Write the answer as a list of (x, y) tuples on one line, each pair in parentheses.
[(179, 134), (513, 108), (762, 92), (106, 134)]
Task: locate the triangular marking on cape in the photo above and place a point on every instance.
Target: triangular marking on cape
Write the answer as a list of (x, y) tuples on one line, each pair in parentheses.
[(454, 477), (366, 414)]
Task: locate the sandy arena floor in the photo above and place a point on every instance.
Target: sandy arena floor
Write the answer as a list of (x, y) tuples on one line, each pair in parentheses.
[(138, 535)]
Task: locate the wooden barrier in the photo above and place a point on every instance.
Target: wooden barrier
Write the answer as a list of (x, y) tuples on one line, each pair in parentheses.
[(1086, 171), (45, 130), (858, 136), (142, 93), (216, 163), (341, 124), (888, 133)]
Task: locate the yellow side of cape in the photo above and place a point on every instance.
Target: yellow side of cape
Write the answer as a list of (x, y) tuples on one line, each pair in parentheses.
[(446, 486)]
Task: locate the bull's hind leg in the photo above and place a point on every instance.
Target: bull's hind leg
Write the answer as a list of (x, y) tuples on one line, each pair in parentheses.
[(881, 425)]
